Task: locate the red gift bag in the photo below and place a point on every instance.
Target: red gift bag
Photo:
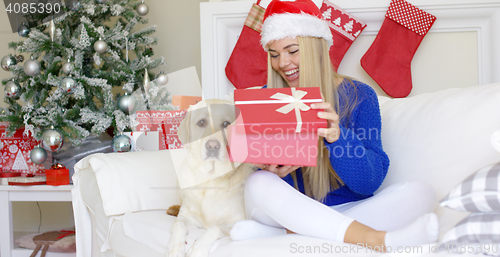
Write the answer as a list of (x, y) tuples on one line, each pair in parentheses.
[(247, 65)]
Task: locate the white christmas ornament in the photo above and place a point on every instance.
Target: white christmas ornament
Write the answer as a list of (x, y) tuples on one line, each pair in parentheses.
[(142, 9), (32, 67), (161, 79), (67, 67), (84, 37), (100, 46), (52, 30)]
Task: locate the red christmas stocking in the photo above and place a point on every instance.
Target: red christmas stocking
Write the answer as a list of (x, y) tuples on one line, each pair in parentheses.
[(345, 29), (388, 60), (247, 65)]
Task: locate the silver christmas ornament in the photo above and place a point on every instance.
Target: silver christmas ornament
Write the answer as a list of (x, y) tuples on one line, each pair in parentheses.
[(100, 46), (23, 30), (67, 67), (145, 83), (142, 9), (8, 61), (121, 144), (68, 85), (52, 30), (73, 5), (32, 67), (38, 155), (161, 78), (52, 140), (12, 90), (126, 103)]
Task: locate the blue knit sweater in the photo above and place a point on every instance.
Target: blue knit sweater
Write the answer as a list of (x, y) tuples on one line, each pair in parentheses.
[(357, 156)]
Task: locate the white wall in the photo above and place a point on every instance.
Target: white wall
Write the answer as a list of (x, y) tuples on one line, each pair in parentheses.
[(461, 47), (451, 55)]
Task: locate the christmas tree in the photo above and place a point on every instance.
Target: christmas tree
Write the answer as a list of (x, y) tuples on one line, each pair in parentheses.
[(77, 58)]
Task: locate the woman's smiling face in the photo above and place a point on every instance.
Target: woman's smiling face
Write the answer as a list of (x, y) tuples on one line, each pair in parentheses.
[(285, 59)]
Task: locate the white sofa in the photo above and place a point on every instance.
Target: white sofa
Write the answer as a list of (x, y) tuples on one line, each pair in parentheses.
[(120, 198)]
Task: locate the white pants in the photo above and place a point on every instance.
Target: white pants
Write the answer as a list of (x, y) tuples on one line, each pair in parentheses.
[(273, 202)]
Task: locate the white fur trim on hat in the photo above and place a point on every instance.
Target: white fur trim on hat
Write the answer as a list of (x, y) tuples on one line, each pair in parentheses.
[(291, 25)]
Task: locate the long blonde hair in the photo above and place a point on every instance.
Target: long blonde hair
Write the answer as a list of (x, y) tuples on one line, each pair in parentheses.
[(316, 71)]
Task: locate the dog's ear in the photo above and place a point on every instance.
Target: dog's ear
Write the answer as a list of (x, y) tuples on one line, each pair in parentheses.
[(183, 130)]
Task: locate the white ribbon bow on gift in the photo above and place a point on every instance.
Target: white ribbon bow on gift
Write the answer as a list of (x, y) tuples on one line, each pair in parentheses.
[(295, 103)]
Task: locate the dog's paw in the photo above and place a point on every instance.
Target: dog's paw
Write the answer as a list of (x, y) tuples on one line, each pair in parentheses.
[(174, 210), (176, 249)]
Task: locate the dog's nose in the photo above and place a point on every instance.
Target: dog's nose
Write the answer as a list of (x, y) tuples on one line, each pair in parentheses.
[(212, 144)]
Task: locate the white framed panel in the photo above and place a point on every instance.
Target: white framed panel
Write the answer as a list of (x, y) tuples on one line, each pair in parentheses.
[(221, 24)]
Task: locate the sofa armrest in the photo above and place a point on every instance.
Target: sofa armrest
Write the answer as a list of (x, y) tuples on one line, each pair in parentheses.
[(109, 185), (90, 220)]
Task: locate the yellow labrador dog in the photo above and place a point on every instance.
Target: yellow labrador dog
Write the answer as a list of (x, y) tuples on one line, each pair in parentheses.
[(216, 203)]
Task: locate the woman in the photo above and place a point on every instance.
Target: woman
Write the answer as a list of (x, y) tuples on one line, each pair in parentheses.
[(333, 200)]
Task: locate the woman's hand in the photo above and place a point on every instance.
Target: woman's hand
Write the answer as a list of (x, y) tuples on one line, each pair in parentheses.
[(280, 170), (332, 132)]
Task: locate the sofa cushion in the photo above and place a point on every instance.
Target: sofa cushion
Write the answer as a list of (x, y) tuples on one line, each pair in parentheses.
[(495, 140), (441, 137), (126, 187), (134, 234), (478, 233), (480, 192)]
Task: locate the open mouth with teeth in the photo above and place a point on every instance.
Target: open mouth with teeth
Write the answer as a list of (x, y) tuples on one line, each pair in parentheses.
[(292, 74)]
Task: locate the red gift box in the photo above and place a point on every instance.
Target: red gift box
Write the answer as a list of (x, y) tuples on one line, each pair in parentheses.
[(27, 181), (166, 122), (184, 101), (15, 152), (299, 149), (57, 176), (278, 110)]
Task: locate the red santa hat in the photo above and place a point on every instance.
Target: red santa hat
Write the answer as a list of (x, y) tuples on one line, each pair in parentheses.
[(292, 18)]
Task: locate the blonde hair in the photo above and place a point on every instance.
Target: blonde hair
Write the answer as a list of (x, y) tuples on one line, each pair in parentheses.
[(316, 71)]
